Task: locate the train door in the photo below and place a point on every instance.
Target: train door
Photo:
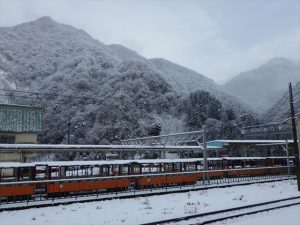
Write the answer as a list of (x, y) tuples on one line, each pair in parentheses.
[(41, 173)]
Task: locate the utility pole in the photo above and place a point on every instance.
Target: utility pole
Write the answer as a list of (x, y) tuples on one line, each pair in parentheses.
[(205, 175), (296, 151), (69, 124)]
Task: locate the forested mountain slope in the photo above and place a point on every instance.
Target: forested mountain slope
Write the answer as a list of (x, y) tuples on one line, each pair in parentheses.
[(281, 109), (185, 81), (263, 87), (132, 92)]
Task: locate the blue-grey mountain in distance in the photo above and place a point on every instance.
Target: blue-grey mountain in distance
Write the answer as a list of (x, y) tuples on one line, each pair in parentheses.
[(281, 109), (261, 88)]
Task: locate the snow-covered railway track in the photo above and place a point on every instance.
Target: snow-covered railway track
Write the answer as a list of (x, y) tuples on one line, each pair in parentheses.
[(122, 195), (225, 214)]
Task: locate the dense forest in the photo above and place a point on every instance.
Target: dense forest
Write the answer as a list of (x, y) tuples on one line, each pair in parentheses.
[(105, 93)]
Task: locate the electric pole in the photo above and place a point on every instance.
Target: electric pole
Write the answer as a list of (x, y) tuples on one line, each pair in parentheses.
[(296, 151), (68, 124)]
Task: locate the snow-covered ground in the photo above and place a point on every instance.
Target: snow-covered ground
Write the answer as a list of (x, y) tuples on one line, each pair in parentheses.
[(154, 208), (284, 216)]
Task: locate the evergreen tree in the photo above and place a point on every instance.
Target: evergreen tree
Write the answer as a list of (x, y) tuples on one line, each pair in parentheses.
[(155, 130)]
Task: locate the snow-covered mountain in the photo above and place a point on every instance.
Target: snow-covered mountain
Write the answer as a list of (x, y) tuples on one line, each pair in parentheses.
[(264, 86), (49, 57), (185, 80), (281, 109)]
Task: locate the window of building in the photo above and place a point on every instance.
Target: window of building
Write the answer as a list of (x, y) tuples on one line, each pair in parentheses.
[(7, 139)]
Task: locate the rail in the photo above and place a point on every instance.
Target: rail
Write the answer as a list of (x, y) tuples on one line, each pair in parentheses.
[(42, 188), (230, 213)]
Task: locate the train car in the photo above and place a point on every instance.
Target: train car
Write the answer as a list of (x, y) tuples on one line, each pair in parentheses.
[(62, 178), (174, 166), (243, 162), (13, 173), (280, 161), (67, 171)]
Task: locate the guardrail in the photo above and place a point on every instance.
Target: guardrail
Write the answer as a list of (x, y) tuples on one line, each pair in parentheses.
[(28, 191)]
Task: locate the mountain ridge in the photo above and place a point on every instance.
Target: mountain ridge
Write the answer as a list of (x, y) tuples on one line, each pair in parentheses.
[(263, 86), (280, 110), (48, 57)]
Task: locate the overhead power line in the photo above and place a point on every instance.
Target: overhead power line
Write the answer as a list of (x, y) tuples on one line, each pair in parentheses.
[(46, 94)]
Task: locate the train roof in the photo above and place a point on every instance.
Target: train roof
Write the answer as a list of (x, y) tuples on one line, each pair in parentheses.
[(101, 162), (125, 162)]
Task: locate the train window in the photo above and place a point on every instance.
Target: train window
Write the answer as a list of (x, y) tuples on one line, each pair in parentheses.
[(7, 139), (8, 185)]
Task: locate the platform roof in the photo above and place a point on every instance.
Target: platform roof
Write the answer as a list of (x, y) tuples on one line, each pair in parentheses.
[(46, 148), (228, 143)]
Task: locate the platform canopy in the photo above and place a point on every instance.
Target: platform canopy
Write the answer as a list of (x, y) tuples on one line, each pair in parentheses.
[(245, 143), (47, 148)]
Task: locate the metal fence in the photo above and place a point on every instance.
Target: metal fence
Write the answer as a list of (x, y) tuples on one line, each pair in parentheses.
[(130, 184)]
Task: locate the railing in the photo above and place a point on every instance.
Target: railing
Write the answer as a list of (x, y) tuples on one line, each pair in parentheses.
[(29, 191)]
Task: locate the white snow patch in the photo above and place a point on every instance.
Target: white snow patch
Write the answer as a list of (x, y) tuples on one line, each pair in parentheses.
[(283, 216), (4, 82), (154, 208)]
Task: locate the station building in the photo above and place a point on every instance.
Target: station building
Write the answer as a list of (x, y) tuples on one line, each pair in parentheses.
[(19, 124)]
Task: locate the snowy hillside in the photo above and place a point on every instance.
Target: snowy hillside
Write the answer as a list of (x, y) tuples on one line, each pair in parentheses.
[(264, 86), (48, 57), (184, 81), (134, 92), (281, 109)]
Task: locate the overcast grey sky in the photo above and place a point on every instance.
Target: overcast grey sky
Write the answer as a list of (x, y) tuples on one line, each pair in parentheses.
[(218, 38)]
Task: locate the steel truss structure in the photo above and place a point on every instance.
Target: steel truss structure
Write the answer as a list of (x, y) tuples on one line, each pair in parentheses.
[(176, 139)]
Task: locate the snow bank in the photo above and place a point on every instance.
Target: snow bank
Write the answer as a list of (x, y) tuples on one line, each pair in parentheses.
[(147, 209)]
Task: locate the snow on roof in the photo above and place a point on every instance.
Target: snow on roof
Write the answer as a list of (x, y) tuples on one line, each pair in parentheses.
[(222, 143), (254, 141), (64, 146), (100, 162), (244, 158), (280, 157), (125, 162), (15, 164)]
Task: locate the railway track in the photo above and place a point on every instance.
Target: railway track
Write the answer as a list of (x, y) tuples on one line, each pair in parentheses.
[(225, 214), (122, 195)]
